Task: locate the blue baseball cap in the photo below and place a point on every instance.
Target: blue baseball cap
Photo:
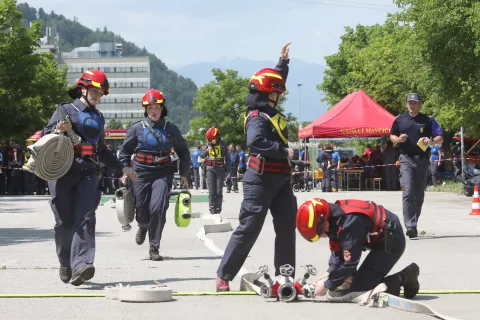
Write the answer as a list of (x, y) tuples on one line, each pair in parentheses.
[(414, 97)]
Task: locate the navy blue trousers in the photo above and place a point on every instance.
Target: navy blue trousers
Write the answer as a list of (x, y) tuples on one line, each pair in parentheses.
[(74, 199), (260, 193), (152, 202)]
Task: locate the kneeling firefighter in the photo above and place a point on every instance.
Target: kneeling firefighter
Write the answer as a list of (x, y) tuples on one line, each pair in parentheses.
[(267, 181), (353, 226), (76, 195), (151, 141), (215, 155)]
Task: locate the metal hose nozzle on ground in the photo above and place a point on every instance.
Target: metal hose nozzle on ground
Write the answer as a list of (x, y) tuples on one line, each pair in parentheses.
[(287, 292)]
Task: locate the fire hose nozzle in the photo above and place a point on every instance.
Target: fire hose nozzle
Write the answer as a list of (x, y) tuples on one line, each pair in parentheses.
[(186, 201), (265, 291), (308, 290), (287, 292)]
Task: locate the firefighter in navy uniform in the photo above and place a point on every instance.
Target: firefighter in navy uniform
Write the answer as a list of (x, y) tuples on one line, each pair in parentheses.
[(353, 226), (151, 141), (409, 130), (267, 181), (215, 155), (76, 196)]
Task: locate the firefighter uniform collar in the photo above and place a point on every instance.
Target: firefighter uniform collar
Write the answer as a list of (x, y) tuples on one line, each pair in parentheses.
[(81, 106), (152, 124)]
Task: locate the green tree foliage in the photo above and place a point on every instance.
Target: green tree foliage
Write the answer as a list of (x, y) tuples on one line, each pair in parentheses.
[(128, 124), (30, 84), (430, 47), (221, 104), (114, 124), (370, 58), (179, 91)]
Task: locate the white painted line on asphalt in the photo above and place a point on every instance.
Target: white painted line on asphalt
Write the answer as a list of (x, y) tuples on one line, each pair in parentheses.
[(7, 263), (217, 227)]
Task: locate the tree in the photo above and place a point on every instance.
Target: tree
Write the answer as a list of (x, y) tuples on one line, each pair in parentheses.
[(221, 105), (114, 124), (30, 83), (373, 59), (127, 124)]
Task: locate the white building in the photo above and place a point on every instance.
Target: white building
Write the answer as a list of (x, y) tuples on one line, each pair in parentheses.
[(129, 78)]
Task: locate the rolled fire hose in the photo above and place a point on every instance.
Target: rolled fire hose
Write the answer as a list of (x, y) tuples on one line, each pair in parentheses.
[(125, 207), (145, 293), (52, 157)]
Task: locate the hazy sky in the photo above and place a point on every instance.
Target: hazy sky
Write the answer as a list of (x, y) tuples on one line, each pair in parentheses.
[(180, 32)]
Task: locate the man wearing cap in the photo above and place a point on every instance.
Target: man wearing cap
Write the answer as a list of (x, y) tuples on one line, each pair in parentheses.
[(413, 132)]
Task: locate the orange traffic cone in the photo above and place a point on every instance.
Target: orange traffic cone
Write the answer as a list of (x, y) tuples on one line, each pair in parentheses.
[(475, 203)]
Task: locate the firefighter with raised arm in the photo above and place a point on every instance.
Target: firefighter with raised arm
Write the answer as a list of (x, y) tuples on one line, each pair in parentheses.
[(151, 141), (266, 183), (215, 155), (353, 226)]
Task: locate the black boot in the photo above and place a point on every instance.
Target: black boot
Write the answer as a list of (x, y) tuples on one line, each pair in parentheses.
[(83, 274), (65, 273), (141, 235), (410, 282), (154, 255), (412, 232)]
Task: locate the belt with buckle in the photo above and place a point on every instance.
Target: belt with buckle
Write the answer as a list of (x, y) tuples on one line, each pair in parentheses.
[(151, 159), (262, 165)]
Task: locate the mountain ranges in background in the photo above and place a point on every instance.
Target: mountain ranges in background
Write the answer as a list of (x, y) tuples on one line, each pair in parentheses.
[(308, 74)]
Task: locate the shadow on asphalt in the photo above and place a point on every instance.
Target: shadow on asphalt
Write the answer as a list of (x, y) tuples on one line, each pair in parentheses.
[(14, 236), (101, 286)]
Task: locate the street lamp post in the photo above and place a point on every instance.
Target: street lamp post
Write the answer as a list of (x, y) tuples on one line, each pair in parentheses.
[(299, 120)]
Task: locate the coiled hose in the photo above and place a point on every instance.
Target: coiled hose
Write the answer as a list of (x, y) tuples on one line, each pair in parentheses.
[(52, 157)]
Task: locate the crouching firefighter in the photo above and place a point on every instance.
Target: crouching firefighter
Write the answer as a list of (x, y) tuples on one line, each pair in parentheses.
[(76, 196), (151, 141), (215, 155), (353, 226), (267, 181)]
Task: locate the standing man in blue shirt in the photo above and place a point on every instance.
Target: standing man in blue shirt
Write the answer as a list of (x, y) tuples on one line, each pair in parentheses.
[(242, 167), (232, 169), (413, 132), (196, 166), (435, 160), (335, 166)]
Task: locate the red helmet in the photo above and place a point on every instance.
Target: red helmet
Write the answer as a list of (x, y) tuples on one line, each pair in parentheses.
[(95, 78), (311, 218), (153, 96), (267, 80), (212, 134)]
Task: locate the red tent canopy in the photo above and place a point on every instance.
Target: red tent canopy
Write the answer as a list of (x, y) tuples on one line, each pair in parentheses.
[(356, 115), (36, 136)]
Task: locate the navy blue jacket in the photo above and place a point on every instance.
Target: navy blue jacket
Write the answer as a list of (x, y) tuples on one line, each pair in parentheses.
[(133, 142), (354, 229)]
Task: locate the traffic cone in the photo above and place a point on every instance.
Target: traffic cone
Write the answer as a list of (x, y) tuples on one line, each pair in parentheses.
[(475, 203)]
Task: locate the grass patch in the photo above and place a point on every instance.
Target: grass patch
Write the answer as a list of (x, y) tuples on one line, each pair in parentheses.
[(449, 186)]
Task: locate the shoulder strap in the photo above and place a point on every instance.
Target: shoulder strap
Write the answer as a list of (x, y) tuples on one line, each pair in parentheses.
[(254, 113), (146, 124)]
